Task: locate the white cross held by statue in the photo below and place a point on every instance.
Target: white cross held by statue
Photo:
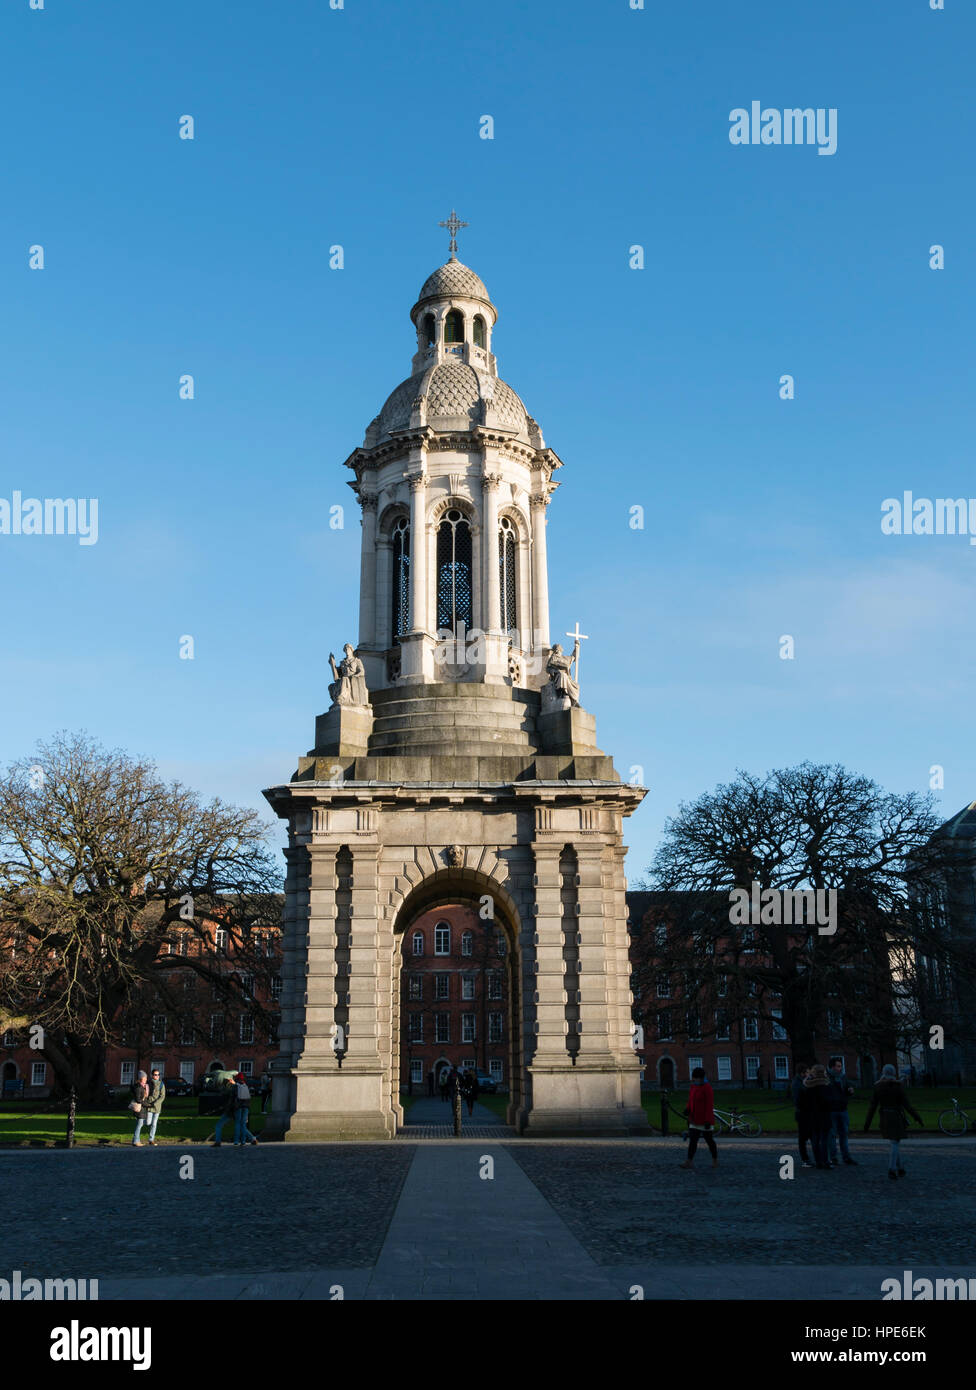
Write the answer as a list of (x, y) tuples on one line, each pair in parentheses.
[(578, 637)]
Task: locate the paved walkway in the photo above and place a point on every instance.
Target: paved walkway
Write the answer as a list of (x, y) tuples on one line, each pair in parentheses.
[(429, 1117)]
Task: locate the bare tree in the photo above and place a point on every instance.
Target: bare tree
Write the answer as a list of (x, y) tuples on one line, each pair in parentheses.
[(101, 863)]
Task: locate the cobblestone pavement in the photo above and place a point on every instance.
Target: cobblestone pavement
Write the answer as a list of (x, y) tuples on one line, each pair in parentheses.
[(127, 1211), (560, 1219), (634, 1204)]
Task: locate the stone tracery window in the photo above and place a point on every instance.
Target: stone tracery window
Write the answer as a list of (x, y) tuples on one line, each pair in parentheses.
[(507, 560), (401, 577), (454, 588)]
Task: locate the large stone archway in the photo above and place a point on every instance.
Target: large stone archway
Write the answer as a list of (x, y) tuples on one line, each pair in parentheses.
[(491, 906)]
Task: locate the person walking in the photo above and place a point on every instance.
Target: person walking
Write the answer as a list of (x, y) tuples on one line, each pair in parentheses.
[(469, 1090), (227, 1113), (816, 1110), (701, 1117), (889, 1097), (154, 1104), (430, 1082), (140, 1093), (265, 1092), (841, 1091), (802, 1128), (242, 1110), (445, 1082)]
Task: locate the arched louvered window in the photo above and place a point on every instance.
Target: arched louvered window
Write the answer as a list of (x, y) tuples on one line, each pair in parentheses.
[(479, 331), (428, 334), (454, 327), (507, 553), (401, 577), (453, 573)]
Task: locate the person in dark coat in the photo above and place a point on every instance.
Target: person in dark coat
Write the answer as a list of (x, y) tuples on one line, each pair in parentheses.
[(890, 1099), (815, 1107), (430, 1082), (445, 1082), (140, 1094), (469, 1089), (802, 1128), (841, 1091)]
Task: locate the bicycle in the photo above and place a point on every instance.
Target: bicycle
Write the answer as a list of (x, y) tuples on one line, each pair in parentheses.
[(737, 1122), (954, 1121)]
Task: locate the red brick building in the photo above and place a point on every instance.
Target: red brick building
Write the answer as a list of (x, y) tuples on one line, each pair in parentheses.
[(200, 1026), (738, 1042), (454, 996)]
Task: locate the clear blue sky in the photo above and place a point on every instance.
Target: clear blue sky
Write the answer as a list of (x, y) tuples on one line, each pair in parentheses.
[(658, 388)]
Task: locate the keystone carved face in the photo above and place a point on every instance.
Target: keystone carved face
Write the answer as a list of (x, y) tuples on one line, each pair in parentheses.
[(455, 856)]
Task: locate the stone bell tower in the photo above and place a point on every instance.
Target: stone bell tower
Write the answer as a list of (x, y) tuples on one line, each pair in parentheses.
[(454, 764)]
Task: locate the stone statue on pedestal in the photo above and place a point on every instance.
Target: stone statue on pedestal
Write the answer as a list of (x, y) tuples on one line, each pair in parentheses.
[(349, 686), (561, 691)]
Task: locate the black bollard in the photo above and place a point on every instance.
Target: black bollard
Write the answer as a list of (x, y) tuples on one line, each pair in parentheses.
[(70, 1136), (664, 1112)]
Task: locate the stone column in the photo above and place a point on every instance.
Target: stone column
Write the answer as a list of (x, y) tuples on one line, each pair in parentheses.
[(491, 606), (418, 553), (550, 1009), (596, 959), (367, 571), (540, 573), (383, 632)]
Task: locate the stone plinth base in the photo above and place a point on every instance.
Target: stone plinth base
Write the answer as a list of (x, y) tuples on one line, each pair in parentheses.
[(337, 1104), (584, 1100), (567, 731), (343, 731)]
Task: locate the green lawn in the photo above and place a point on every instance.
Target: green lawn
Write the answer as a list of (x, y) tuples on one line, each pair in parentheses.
[(774, 1109), (179, 1123)]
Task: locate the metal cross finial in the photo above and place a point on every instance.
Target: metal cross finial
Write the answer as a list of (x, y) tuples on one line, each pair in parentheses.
[(453, 225), (578, 638)]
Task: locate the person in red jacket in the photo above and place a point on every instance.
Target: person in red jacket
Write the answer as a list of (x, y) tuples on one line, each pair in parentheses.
[(701, 1117)]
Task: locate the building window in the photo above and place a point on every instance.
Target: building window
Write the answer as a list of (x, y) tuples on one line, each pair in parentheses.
[(441, 986), (38, 1073), (724, 1072), (159, 1028), (664, 986), (752, 1068), (664, 1025), (186, 1032), (494, 1027), (721, 986), (418, 943), (428, 334), (188, 981), (220, 940), (442, 1028), (835, 1023), (494, 986), (467, 986), (417, 1071), (216, 1028), (273, 1033), (496, 1069), (186, 1072), (721, 1026), (507, 558), (694, 1026), (442, 939), (246, 1030), (415, 987), (127, 1073), (779, 1032), (781, 1067), (467, 1027), (453, 573), (693, 1062), (275, 986), (246, 1067), (247, 986), (416, 1024), (401, 577), (454, 327), (467, 943), (479, 331), (661, 935), (10, 1038), (751, 1026)]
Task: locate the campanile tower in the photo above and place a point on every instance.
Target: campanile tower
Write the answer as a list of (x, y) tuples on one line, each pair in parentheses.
[(455, 764)]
